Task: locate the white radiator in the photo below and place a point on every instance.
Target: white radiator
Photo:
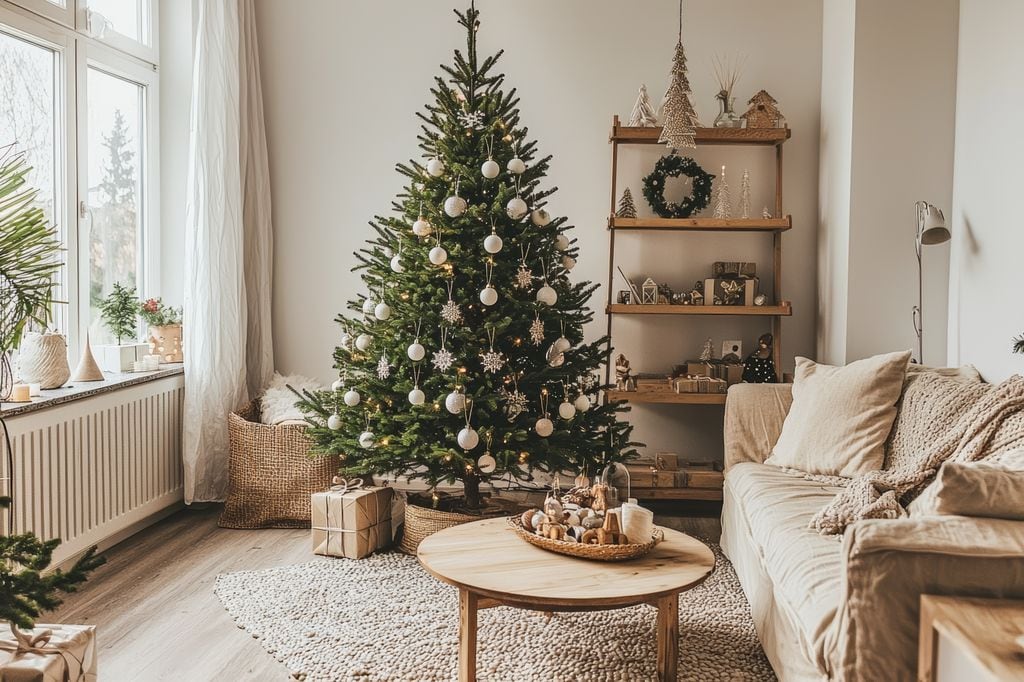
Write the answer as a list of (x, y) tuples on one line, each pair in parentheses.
[(95, 470)]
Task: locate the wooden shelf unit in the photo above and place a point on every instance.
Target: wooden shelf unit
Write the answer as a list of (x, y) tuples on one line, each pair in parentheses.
[(757, 137)]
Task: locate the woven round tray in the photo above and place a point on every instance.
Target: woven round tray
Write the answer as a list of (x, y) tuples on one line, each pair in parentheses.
[(592, 552)]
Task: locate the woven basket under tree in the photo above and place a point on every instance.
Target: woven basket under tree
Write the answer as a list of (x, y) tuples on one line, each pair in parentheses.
[(271, 474), (422, 521)]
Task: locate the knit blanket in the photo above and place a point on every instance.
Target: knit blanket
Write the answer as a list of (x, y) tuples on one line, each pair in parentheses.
[(877, 494)]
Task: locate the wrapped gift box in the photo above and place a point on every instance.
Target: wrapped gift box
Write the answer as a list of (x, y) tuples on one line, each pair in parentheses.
[(351, 523), (646, 476), (736, 270), (729, 373), (49, 653), (665, 461), (714, 288)]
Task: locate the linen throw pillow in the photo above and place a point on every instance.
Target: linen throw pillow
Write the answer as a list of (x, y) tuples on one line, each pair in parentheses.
[(841, 416), (992, 488)]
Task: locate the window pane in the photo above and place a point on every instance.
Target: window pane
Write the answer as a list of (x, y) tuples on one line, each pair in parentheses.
[(126, 17), (114, 130), (28, 77)]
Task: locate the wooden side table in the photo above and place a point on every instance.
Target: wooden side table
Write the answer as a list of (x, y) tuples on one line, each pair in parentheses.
[(965, 638), (492, 567)]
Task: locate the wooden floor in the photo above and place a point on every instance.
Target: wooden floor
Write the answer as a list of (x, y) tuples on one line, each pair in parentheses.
[(156, 613)]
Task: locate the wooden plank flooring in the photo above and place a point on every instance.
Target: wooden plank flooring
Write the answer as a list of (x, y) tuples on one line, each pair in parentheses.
[(156, 613)]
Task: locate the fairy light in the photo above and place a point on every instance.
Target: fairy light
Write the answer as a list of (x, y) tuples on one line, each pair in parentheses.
[(524, 457)]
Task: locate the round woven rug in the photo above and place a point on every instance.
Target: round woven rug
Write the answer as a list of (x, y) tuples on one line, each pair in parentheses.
[(384, 618)]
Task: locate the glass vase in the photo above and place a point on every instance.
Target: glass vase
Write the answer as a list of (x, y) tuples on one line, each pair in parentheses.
[(727, 118)]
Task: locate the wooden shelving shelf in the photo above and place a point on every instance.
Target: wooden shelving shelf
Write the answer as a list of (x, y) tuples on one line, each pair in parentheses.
[(703, 224), (667, 398), (711, 136), (784, 309), (709, 494)]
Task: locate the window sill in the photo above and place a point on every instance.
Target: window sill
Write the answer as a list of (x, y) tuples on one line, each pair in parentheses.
[(113, 381)]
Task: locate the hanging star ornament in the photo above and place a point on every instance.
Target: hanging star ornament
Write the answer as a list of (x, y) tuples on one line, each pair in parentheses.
[(515, 403), (442, 360), (492, 360), (451, 313), (471, 119), (536, 332), (523, 278), (383, 369)]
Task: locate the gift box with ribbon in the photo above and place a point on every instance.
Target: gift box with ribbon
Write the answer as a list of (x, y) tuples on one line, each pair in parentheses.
[(49, 653), (350, 520)]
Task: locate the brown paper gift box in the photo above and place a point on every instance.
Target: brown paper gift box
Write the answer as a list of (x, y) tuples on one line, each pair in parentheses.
[(352, 523), (68, 654)]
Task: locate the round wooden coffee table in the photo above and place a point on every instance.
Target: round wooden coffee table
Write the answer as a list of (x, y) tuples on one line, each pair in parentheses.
[(493, 567)]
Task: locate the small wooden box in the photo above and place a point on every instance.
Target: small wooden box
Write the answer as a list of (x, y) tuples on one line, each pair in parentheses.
[(698, 369), (645, 476), (704, 478), (655, 385)]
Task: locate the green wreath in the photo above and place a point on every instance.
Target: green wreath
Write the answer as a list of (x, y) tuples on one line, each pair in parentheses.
[(673, 166)]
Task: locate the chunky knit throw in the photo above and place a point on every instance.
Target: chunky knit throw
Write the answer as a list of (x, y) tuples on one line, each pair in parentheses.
[(877, 494)]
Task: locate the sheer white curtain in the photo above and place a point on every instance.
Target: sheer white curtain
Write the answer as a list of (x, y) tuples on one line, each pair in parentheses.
[(228, 242)]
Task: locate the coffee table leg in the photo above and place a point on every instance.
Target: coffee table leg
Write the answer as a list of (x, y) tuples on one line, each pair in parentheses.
[(668, 638), (467, 635)]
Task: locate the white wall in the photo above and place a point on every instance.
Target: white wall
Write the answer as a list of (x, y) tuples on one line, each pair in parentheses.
[(985, 308), (342, 83), (887, 141)]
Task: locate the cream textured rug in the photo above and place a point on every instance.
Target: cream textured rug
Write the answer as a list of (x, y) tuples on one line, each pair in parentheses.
[(384, 618)]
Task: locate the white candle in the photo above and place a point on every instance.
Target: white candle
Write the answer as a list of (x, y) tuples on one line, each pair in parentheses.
[(138, 366), (21, 393), (33, 390), (151, 362)]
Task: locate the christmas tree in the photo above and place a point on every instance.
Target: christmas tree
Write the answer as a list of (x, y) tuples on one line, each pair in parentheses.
[(677, 113), (464, 361), (626, 209), (721, 202)]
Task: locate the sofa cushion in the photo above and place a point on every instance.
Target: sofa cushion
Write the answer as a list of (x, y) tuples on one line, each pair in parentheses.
[(992, 487), (841, 416), (805, 568)]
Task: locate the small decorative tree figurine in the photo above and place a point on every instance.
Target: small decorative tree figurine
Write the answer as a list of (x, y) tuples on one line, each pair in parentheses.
[(119, 311), (722, 199), (707, 354), (678, 116), (627, 209), (643, 115), (745, 195)]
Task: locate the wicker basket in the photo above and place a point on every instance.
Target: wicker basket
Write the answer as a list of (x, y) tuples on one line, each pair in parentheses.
[(422, 522), (271, 474), (593, 552)]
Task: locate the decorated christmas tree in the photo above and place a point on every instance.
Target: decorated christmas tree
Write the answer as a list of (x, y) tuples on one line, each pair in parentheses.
[(464, 360)]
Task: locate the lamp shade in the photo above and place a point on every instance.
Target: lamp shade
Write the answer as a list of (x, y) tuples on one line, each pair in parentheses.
[(934, 230)]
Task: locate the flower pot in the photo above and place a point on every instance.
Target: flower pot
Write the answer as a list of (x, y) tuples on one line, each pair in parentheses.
[(166, 342), (43, 360), (114, 358)]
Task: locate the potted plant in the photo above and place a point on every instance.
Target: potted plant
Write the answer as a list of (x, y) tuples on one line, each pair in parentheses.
[(119, 312), (28, 260), (164, 324)]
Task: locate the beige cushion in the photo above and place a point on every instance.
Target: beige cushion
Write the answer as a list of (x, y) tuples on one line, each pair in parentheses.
[(754, 414), (805, 568), (841, 416), (991, 488)]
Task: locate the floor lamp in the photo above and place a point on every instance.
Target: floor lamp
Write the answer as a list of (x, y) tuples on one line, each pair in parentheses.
[(931, 229)]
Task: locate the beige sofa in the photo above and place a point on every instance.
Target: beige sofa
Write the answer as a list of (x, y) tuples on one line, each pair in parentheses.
[(842, 608)]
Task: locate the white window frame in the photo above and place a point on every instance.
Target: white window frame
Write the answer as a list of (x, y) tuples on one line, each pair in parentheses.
[(54, 27), (91, 54), (146, 49)]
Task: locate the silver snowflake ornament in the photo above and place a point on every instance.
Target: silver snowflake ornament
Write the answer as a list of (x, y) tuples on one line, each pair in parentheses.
[(442, 360), (383, 368), (471, 119), (492, 361), (537, 332), (523, 278), (451, 313), (515, 404)]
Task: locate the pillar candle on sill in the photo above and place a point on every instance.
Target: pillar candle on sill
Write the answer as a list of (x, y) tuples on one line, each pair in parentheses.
[(151, 362), (33, 390), (138, 366), (21, 393)]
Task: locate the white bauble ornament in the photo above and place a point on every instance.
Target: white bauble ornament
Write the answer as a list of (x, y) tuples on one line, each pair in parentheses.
[(516, 165), (486, 464), (516, 208), (492, 243), (544, 427), (396, 264), (488, 295), (334, 422), (568, 262), (468, 438), (438, 255), (582, 403), (352, 397), (455, 402), (337, 385), (566, 410), (363, 341), (435, 167), (547, 295), (422, 228), (366, 439), (416, 351), (416, 396), (382, 311), (562, 344), (368, 306), (540, 217), (490, 169), (454, 206), (561, 242)]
